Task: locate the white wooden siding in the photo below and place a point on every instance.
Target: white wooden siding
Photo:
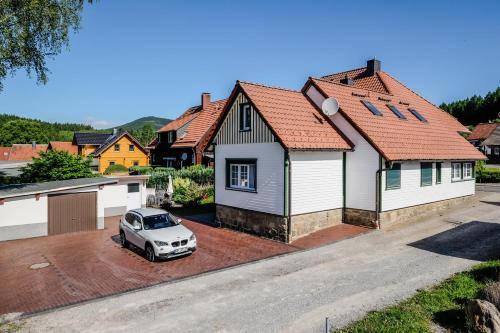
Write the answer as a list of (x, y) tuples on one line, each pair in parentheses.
[(316, 181), (270, 177), (229, 132), (411, 193)]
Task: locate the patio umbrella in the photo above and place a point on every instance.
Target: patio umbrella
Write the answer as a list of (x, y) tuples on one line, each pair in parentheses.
[(170, 187)]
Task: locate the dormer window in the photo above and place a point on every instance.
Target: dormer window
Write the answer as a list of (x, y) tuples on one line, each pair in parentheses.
[(245, 117), (170, 137)]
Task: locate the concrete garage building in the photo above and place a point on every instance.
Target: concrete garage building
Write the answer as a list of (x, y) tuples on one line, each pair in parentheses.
[(355, 147), (51, 208)]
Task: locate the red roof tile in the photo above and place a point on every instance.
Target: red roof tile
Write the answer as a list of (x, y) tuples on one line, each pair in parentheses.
[(360, 79), (181, 121), (482, 131), (396, 139), (25, 152), (201, 123), (64, 146), (296, 122)]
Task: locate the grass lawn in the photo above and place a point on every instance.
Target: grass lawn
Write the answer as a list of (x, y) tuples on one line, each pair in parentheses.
[(442, 305)]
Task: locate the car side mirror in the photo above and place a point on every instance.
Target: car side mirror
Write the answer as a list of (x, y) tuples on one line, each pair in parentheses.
[(179, 221), (137, 226)]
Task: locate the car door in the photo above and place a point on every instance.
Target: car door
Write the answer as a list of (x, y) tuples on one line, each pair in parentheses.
[(137, 235), (128, 227)]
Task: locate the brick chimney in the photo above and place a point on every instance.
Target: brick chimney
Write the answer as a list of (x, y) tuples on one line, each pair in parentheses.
[(373, 66), (205, 100)]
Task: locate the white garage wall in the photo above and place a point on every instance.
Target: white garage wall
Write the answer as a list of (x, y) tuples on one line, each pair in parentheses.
[(23, 210), (411, 193), (316, 181), (270, 177)]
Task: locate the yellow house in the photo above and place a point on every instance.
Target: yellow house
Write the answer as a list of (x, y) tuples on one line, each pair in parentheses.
[(108, 149)]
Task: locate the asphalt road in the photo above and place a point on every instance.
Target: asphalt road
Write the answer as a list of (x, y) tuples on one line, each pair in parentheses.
[(295, 292)]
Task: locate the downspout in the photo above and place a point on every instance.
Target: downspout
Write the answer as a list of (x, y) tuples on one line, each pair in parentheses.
[(287, 196), (378, 192), (344, 184)]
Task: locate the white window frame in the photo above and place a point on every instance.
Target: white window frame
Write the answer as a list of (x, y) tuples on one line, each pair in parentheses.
[(247, 119), (467, 170), (170, 136), (239, 176), (454, 168), (496, 150)]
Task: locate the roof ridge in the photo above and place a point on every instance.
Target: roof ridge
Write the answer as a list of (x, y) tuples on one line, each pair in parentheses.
[(267, 86), (350, 70)]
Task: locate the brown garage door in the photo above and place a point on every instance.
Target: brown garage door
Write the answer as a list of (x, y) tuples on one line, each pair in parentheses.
[(72, 212)]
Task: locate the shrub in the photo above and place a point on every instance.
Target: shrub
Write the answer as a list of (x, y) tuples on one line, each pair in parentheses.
[(115, 168), (488, 175), (141, 170), (186, 192), (159, 176)]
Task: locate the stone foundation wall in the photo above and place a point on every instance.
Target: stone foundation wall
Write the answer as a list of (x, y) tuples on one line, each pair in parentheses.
[(360, 217), (408, 214), (304, 224), (258, 223)]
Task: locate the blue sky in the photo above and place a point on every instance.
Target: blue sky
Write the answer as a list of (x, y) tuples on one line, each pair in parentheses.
[(139, 58)]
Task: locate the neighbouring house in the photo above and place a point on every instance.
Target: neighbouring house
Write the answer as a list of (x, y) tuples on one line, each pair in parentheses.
[(63, 146), (22, 152), (183, 141), (486, 137), (56, 207), (110, 149), (356, 147)]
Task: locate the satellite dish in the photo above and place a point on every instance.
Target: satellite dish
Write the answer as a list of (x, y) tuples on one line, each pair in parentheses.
[(184, 156), (330, 106)]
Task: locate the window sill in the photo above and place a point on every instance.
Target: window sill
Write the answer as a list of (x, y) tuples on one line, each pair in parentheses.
[(245, 130), (425, 185), (241, 189), (462, 180), (393, 188)]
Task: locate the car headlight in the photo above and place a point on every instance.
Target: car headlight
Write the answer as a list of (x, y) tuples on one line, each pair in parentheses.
[(160, 243), (192, 238)]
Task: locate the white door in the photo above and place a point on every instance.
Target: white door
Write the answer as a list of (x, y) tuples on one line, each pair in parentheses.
[(133, 196)]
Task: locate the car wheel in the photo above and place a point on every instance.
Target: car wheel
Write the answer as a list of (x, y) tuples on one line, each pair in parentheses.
[(150, 253), (123, 239)]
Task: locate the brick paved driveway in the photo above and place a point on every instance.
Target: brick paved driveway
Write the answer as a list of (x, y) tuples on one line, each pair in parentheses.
[(88, 265)]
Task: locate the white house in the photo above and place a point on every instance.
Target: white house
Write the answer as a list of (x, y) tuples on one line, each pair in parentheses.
[(355, 147), (50, 208)]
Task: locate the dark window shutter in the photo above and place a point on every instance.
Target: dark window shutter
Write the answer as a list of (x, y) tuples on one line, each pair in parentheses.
[(241, 116), (248, 114), (228, 173)]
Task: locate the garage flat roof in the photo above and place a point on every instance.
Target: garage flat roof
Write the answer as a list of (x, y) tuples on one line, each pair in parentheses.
[(17, 190)]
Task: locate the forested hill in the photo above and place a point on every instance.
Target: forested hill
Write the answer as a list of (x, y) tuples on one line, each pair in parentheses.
[(475, 109), (15, 129)]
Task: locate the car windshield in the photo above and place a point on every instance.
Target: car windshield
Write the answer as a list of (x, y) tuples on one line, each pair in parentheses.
[(158, 222)]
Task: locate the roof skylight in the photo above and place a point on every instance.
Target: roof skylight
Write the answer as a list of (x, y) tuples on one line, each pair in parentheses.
[(372, 108), (418, 115), (396, 111)]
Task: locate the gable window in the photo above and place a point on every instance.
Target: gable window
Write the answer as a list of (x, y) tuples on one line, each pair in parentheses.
[(170, 137), (245, 117), (456, 171), (396, 111), (372, 108), (241, 174), (438, 172), (425, 173), (131, 147), (417, 115), (393, 177), (467, 170), (117, 147)]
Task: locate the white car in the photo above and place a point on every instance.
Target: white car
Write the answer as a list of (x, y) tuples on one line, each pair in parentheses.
[(156, 232)]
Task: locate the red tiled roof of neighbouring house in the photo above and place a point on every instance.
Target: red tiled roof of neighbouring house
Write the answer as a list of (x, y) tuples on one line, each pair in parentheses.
[(4, 153), (175, 124), (395, 139), (295, 121), (152, 144), (200, 124), (361, 79), (64, 146), (482, 131), (25, 152)]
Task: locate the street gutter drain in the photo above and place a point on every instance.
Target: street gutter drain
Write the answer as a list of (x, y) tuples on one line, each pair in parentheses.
[(39, 265)]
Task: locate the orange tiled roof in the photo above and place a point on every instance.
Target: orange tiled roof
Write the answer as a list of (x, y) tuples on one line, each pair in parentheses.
[(25, 152), (296, 122), (181, 121), (64, 146), (200, 124), (360, 78), (482, 131), (395, 139)]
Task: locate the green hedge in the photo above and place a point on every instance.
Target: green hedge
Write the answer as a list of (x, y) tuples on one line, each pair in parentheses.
[(115, 168), (488, 175), (159, 176)]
